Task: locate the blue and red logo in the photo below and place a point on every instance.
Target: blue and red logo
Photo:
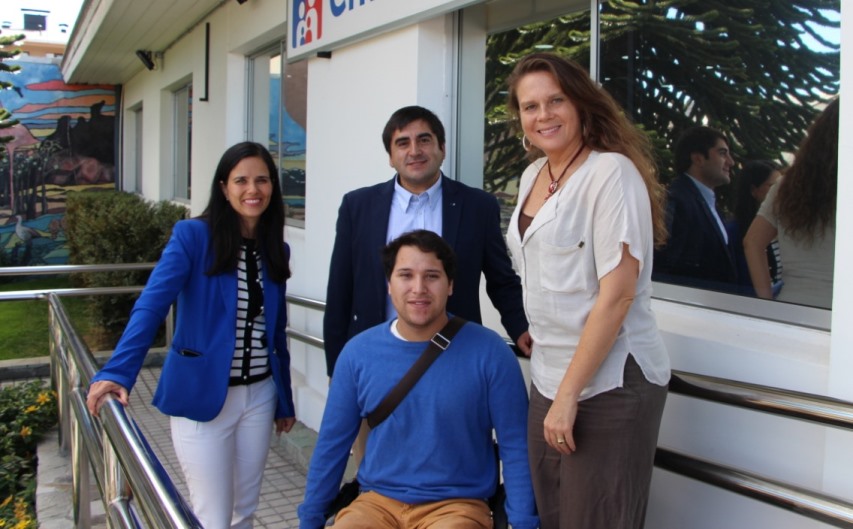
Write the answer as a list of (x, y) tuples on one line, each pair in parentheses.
[(307, 22)]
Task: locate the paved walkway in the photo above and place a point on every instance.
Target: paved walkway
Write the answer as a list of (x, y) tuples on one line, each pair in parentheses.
[(283, 483)]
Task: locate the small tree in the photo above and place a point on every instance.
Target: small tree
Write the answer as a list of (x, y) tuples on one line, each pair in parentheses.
[(106, 227), (6, 42)]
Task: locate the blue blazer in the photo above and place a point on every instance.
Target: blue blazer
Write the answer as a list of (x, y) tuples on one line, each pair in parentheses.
[(696, 254), (194, 379), (357, 290)]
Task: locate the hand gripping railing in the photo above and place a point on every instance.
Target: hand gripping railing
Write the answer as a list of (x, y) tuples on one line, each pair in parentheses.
[(124, 466)]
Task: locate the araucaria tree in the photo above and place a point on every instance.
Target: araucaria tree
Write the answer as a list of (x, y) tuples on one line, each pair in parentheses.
[(759, 70), (7, 42)]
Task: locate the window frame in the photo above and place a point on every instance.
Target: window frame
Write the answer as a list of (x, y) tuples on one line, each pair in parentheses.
[(182, 151), (258, 109), (472, 80)]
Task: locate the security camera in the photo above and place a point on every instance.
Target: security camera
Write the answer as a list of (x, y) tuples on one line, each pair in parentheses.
[(146, 57)]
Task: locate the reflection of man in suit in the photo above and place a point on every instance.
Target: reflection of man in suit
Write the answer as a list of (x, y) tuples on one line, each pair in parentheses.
[(418, 197), (698, 252)]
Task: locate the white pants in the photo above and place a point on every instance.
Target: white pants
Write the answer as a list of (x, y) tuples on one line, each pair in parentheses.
[(223, 460)]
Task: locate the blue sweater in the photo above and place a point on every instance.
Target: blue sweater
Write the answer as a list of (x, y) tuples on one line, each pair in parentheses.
[(437, 444)]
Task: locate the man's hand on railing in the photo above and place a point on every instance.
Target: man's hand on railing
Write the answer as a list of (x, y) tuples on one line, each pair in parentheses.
[(98, 392)]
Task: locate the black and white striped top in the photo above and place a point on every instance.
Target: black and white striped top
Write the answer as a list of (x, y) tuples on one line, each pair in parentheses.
[(251, 361), (774, 257)]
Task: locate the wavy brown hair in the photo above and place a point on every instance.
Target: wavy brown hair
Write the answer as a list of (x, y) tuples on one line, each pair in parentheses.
[(603, 122), (805, 203)]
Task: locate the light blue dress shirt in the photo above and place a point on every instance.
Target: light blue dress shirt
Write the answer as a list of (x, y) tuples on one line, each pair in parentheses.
[(711, 199), (412, 212)]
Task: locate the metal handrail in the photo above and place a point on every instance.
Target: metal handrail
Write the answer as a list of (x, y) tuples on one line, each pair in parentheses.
[(72, 269), (113, 446), (123, 464), (18, 295), (815, 505), (825, 411), (114, 436), (792, 404)]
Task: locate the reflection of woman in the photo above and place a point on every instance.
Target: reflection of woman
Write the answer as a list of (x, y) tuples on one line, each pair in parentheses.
[(226, 378), (800, 211), (588, 215), (753, 183)]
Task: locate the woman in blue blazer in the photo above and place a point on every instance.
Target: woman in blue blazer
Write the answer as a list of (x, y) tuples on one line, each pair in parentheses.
[(226, 377)]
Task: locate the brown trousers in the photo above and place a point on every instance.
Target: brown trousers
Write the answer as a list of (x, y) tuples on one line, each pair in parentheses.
[(605, 483), (375, 511)]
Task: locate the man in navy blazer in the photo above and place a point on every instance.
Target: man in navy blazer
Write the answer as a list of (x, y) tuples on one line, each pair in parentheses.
[(418, 197), (698, 252)]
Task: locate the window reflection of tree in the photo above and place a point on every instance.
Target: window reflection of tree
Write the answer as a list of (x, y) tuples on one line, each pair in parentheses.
[(758, 71)]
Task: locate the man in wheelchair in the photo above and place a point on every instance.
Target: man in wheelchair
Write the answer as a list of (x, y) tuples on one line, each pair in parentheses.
[(431, 462)]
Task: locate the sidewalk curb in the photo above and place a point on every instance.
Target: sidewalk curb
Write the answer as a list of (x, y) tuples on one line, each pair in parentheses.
[(39, 367), (22, 368)]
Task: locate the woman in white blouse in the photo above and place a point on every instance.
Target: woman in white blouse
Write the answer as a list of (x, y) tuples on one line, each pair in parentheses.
[(589, 213), (799, 211)]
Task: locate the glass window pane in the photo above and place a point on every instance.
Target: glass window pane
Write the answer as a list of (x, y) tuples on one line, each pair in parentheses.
[(758, 74), (276, 113), (504, 157), (292, 146), (183, 142)]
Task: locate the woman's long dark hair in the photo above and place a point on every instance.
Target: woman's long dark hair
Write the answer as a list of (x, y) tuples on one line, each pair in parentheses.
[(805, 202), (224, 222), (753, 176)]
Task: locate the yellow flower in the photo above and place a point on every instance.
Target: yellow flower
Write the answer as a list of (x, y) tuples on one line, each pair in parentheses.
[(2, 523), (26, 431), (43, 398), (31, 409), (7, 501)]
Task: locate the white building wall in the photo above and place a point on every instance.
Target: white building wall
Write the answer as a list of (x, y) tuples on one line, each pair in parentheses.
[(351, 95), (235, 31), (749, 350), (839, 460)]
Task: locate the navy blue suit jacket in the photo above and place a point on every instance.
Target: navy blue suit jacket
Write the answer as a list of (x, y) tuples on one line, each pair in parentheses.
[(194, 380), (696, 254), (357, 290)]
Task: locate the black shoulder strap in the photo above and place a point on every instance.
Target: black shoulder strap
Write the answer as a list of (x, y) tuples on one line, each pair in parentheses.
[(437, 344)]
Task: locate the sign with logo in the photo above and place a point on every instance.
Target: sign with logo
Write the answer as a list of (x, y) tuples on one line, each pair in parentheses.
[(321, 25)]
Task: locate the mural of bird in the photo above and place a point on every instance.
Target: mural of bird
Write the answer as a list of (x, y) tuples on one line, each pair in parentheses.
[(25, 233)]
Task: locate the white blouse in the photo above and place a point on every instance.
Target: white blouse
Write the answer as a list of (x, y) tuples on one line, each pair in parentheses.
[(574, 240), (809, 268)]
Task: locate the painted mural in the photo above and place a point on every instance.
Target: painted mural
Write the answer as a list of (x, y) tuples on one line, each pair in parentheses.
[(64, 143)]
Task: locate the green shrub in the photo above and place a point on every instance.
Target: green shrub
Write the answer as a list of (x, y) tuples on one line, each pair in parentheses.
[(115, 227), (27, 412)]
